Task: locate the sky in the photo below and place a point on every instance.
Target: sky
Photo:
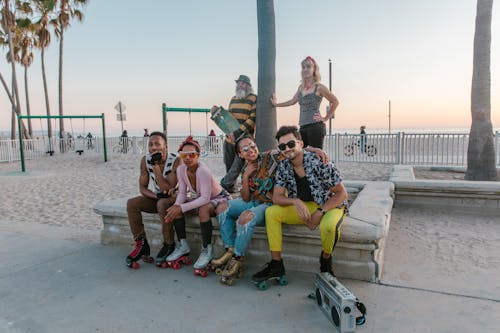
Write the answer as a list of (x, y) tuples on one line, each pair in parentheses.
[(417, 54)]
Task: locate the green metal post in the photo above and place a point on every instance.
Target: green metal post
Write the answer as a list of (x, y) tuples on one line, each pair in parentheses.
[(164, 117), (21, 147), (104, 138)]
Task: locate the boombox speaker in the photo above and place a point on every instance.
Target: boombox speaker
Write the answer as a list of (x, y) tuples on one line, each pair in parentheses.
[(338, 303)]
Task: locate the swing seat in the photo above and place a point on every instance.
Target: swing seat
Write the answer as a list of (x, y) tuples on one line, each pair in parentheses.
[(50, 152), (79, 152)]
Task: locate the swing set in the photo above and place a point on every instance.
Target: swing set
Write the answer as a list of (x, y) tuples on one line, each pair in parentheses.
[(166, 109), (21, 145)]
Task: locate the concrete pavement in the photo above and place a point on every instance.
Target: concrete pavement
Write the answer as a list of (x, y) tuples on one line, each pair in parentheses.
[(55, 279)]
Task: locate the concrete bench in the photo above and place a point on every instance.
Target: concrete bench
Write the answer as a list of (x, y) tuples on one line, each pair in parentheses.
[(457, 194), (358, 254)]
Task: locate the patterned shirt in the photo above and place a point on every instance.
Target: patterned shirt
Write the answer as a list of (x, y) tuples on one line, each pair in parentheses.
[(322, 177), (166, 170), (261, 183), (244, 111)]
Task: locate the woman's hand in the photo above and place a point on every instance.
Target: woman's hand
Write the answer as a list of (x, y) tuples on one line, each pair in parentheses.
[(172, 213), (274, 101)]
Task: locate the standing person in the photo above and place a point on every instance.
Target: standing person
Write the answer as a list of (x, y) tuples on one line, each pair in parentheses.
[(306, 192), (198, 192), (124, 141), (362, 138), (146, 133), (257, 181), (159, 167), (309, 95), (243, 107)]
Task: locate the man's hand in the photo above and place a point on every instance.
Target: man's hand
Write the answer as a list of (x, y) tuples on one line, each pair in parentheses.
[(315, 220), (302, 211)]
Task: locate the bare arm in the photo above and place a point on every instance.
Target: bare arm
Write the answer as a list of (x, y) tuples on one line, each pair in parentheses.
[(290, 102), (334, 102), (144, 181)]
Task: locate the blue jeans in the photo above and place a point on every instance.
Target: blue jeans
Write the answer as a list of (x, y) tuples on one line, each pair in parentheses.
[(229, 218)]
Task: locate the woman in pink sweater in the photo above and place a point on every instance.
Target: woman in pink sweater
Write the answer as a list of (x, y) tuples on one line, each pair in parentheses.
[(200, 193)]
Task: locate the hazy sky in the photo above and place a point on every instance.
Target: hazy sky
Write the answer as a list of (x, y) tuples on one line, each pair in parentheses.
[(416, 53)]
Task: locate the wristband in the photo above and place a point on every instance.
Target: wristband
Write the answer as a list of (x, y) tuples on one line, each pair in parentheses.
[(321, 210)]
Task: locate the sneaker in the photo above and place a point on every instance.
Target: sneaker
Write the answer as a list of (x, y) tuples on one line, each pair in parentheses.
[(273, 269), (181, 249), (205, 256), (325, 265)]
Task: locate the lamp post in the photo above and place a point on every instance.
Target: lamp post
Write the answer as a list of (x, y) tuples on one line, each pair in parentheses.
[(330, 87)]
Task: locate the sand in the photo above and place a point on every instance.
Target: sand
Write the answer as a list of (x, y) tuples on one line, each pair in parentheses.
[(62, 189)]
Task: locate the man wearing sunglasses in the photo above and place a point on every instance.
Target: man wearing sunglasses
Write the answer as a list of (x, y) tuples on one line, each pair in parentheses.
[(243, 108), (243, 214), (306, 191), (158, 167)]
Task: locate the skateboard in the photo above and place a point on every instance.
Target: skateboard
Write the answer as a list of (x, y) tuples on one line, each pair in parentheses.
[(263, 285), (225, 120), (182, 260), (136, 265)]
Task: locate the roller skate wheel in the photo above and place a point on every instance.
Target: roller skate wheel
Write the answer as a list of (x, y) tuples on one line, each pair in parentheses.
[(204, 273), (149, 260), (240, 275), (262, 285), (229, 282), (164, 264), (186, 261), (218, 271), (283, 280), (135, 265), (175, 265)]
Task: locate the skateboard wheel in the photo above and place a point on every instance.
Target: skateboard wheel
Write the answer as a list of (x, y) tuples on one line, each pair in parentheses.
[(283, 280)]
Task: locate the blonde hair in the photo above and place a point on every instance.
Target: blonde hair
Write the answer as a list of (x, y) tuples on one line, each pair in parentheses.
[(316, 74)]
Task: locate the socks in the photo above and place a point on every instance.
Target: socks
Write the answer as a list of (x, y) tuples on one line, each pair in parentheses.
[(180, 228), (206, 232)]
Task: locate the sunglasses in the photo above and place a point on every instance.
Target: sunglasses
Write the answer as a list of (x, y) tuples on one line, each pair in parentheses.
[(248, 147), (190, 154), (290, 144)]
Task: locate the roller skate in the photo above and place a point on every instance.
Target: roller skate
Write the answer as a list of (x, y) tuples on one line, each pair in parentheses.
[(180, 255), (161, 257), (200, 266), (273, 270), (218, 264), (234, 268), (141, 251), (325, 265)]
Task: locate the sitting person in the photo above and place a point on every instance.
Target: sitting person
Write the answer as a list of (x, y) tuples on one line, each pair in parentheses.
[(306, 192), (198, 192), (158, 167), (248, 211)]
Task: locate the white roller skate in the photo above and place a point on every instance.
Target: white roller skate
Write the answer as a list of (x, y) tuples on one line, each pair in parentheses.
[(200, 266), (180, 255)]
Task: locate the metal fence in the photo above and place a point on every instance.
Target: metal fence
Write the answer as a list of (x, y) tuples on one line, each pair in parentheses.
[(424, 149)]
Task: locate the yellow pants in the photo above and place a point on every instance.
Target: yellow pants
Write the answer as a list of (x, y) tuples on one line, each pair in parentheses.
[(329, 225)]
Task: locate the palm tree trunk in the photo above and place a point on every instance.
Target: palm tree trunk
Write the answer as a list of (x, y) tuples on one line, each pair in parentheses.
[(266, 113), (61, 111), (481, 151), (28, 111), (46, 91)]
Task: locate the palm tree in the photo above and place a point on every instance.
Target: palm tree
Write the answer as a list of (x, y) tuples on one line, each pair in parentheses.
[(68, 9), (481, 151), (266, 113), (9, 27), (45, 8)]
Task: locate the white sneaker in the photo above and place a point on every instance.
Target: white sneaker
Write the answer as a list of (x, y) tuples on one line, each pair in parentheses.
[(206, 255), (181, 249)]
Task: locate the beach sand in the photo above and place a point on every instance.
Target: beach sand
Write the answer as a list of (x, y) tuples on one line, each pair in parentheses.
[(63, 189)]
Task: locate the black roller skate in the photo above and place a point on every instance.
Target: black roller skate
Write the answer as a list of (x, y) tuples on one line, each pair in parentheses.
[(325, 265), (161, 257), (274, 270), (141, 251)]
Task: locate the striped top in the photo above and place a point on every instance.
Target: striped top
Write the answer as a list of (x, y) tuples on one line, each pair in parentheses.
[(166, 170), (244, 110)]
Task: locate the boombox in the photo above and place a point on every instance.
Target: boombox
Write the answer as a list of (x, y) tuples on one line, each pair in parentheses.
[(338, 303)]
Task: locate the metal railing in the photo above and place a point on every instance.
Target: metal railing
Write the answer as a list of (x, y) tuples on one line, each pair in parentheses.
[(424, 149)]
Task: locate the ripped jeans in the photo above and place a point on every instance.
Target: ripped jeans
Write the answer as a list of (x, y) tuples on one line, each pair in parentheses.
[(241, 237)]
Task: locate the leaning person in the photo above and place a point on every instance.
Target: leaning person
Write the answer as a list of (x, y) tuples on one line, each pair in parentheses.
[(243, 214), (308, 192), (200, 193), (159, 168)]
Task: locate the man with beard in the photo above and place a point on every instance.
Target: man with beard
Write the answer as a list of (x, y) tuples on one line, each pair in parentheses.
[(243, 108), (158, 166), (306, 191)]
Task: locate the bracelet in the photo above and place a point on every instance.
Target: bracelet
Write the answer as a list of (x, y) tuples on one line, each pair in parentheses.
[(321, 210)]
